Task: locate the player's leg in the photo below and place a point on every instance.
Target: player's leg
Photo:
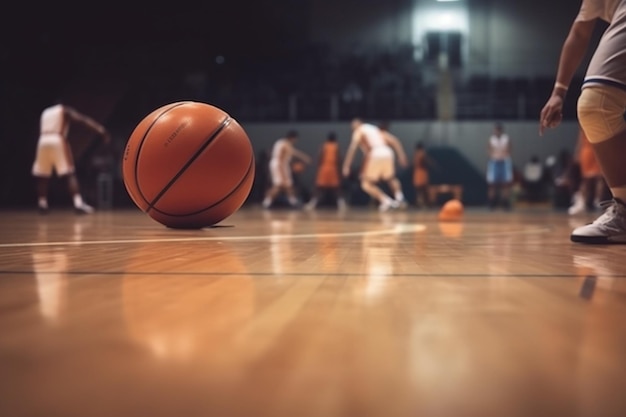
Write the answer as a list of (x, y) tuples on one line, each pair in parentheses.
[(312, 203), (506, 183), (388, 172), (341, 201), (601, 114), (64, 167), (42, 171), (277, 180), (384, 201), (373, 171), (491, 186)]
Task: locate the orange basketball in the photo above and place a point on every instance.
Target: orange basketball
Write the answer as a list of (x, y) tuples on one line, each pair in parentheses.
[(188, 165), (452, 210)]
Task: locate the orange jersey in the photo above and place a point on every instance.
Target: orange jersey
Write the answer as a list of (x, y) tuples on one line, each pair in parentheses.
[(420, 171), (328, 170)]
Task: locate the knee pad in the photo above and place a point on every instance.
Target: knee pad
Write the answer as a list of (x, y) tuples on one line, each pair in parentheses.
[(601, 112)]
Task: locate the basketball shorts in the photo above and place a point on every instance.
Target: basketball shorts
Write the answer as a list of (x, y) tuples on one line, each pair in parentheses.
[(52, 158), (281, 174), (379, 167), (500, 171)]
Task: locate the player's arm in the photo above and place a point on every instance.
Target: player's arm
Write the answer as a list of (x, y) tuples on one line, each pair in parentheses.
[(572, 54), (347, 162), (301, 155), (394, 142), (88, 121)]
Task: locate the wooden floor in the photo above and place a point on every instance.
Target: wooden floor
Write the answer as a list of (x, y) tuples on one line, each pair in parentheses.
[(300, 314)]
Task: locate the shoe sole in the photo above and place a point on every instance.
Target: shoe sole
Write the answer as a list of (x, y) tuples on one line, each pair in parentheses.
[(596, 240)]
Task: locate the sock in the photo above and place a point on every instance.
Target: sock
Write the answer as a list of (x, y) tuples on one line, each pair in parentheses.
[(399, 196), (78, 200), (293, 201), (43, 202), (619, 193), (267, 202)]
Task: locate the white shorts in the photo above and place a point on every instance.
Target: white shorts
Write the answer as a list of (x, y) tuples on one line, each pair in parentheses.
[(281, 174), (52, 157), (379, 166)]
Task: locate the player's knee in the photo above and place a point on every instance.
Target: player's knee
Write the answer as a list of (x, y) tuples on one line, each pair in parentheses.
[(367, 186), (600, 113)]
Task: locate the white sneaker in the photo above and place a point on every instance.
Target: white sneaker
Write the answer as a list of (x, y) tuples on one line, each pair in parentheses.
[(387, 205), (84, 209), (610, 227), (578, 205)]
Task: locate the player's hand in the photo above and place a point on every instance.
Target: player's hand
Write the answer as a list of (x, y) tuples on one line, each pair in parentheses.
[(551, 114), (403, 162), (106, 137), (346, 172)]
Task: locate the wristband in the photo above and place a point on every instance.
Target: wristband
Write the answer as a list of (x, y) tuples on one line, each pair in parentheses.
[(560, 86)]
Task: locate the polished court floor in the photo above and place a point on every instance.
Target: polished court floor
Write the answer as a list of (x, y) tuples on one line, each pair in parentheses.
[(300, 314)]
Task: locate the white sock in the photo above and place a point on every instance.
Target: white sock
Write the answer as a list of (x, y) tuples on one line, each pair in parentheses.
[(43, 202), (293, 201), (78, 200), (399, 196)]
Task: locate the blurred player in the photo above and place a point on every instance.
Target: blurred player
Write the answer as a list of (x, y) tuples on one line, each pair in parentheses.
[(421, 164), (328, 175), (591, 184), (378, 148), (283, 152), (601, 106), (499, 168), (54, 154)]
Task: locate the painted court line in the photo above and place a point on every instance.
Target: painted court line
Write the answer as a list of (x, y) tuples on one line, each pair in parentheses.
[(398, 229)]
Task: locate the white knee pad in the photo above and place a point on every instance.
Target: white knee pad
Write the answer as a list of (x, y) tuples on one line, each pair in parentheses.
[(601, 112)]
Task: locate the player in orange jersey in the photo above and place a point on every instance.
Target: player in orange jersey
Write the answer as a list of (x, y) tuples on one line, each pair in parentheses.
[(421, 179), (591, 177), (328, 178)]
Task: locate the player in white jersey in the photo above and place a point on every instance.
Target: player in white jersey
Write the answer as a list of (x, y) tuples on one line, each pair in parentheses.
[(281, 175), (378, 147), (601, 107), (54, 154), (499, 168)]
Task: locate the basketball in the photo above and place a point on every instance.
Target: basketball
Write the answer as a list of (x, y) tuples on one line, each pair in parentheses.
[(188, 165), (452, 210)]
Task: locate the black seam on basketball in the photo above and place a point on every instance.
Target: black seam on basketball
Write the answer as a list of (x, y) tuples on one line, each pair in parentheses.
[(141, 145), (190, 161), (235, 188)]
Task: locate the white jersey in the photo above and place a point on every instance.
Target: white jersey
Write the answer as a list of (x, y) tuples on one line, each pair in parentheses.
[(597, 9), (374, 140), (608, 63), (499, 146), (52, 126), (282, 146)]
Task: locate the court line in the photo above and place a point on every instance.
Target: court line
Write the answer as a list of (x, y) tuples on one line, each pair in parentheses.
[(300, 274), (398, 229)]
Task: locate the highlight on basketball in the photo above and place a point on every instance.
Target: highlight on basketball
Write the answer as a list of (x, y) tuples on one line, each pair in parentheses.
[(313, 209)]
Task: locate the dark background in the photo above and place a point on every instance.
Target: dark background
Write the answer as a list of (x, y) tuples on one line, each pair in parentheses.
[(117, 62)]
